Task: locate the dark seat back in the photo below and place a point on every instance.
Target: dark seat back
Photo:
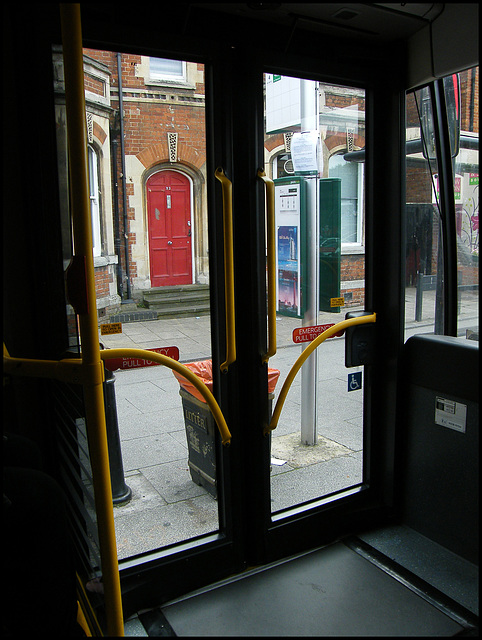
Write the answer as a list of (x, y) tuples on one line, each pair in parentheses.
[(439, 403)]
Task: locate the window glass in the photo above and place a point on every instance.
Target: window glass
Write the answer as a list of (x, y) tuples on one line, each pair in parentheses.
[(423, 252), (466, 194), (350, 214), (423, 266), (165, 69), (94, 202), (314, 151)]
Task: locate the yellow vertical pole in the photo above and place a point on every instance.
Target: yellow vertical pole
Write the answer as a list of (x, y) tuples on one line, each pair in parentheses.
[(91, 361)]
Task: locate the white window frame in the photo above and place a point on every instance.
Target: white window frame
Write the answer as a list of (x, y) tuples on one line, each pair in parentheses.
[(346, 247), (360, 206), (166, 77), (94, 202)]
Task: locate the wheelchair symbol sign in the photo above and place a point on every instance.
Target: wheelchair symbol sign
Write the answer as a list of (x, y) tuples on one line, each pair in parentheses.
[(355, 381)]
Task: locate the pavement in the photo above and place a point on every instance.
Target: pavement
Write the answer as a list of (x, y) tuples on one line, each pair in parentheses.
[(166, 506)]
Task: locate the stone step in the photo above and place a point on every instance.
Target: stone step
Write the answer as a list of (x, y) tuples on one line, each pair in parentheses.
[(181, 300), (177, 288), (179, 311), (172, 297)]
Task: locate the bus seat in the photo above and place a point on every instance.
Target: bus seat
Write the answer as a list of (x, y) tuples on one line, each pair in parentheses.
[(440, 441)]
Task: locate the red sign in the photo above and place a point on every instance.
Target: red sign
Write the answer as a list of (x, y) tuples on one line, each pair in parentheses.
[(134, 363), (308, 334)]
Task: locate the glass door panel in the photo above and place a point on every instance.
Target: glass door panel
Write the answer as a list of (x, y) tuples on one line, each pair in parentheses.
[(147, 171), (314, 151)]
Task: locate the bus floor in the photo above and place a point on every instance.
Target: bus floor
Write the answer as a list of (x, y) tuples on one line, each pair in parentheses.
[(391, 582)]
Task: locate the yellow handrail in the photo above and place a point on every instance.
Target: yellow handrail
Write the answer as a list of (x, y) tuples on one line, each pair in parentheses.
[(336, 328), (82, 237), (227, 190), (73, 370), (107, 354), (271, 260)]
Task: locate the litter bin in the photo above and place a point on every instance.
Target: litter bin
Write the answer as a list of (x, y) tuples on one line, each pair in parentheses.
[(201, 426)]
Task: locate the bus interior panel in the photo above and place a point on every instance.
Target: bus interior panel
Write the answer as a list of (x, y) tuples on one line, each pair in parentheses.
[(241, 291)]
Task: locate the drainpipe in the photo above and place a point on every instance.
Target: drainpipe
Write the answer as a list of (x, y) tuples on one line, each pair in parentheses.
[(117, 240), (123, 175)]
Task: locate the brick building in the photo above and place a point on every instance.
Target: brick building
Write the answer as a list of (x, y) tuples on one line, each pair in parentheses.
[(147, 163)]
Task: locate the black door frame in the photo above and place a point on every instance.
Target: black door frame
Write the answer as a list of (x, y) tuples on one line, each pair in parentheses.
[(235, 135)]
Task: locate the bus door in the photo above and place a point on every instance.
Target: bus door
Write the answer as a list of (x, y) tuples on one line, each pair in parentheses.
[(285, 225), (313, 454)]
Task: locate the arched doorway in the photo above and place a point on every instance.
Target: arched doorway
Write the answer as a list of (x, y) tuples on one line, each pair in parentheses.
[(169, 224)]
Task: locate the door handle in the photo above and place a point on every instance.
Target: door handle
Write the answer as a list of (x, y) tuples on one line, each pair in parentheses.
[(331, 331), (227, 190), (271, 263), (169, 242)]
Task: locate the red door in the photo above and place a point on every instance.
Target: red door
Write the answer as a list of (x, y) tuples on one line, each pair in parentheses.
[(169, 222)]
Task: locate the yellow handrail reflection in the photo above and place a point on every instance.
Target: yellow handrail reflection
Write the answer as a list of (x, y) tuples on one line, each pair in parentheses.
[(143, 354), (227, 189), (336, 328), (271, 260)]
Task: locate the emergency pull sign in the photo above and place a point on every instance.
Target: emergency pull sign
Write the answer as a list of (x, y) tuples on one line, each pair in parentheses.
[(308, 334), (112, 364)]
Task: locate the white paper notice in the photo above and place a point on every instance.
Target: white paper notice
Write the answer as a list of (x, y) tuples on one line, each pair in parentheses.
[(305, 152)]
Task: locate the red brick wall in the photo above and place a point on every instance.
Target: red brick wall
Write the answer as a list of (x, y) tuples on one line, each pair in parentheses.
[(146, 124), (102, 281), (469, 84)]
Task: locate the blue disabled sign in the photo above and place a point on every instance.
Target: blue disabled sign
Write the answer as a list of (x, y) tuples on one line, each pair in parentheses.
[(355, 381)]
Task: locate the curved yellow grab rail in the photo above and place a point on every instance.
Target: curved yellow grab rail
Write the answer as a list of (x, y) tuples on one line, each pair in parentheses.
[(339, 326), (227, 189), (143, 354), (75, 371), (271, 260)]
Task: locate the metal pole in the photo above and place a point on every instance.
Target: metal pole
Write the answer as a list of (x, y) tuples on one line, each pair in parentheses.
[(121, 492), (309, 122), (91, 362)]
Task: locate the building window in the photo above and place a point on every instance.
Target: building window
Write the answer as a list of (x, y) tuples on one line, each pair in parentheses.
[(94, 201), (166, 70), (351, 174)]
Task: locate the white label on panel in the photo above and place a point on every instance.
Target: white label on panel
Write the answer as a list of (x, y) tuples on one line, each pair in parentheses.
[(451, 414)]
